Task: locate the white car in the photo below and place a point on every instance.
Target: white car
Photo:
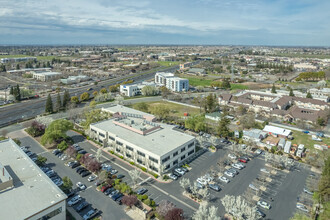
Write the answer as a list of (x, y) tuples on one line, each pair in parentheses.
[(91, 178), (202, 181), (241, 164), (237, 166), (253, 187), (301, 207), (258, 151), (264, 170), (263, 204), (232, 156), (180, 171), (74, 200), (224, 179), (81, 186), (230, 174)]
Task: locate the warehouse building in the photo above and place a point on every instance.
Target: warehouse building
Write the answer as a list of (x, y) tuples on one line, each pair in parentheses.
[(46, 76), (26, 191)]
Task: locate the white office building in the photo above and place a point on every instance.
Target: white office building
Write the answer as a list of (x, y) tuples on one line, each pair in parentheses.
[(75, 79), (46, 76), (134, 89), (172, 82), (25, 191), (155, 146)]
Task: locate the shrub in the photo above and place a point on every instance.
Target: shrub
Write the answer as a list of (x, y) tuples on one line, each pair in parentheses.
[(153, 203), (78, 157), (144, 169), (155, 175), (140, 197), (165, 177), (117, 181), (111, 152), (121, 157), (144, 197), (147, 202), (132, 163)]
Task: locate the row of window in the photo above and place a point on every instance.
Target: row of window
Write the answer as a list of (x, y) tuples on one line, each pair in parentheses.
[(153, 159), (141, 154), (102, 135)]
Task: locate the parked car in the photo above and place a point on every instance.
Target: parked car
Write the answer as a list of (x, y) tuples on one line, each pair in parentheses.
[(242, 160), (306, 132), (141, 191), (260, 214), (301, 207), (70, 193), (81, 186), (232, 156), (179, 170), (120, 176), (230, 174), (173, 176), (308, 191), (215, 187), (74, 200), (105, 188), (224, 179), (264, 170), (82, 152), (91, 178), (70, 163), (117, 196), (98, 182), (109, 190), (258, 151), (56, 151), (81, 206), (176, 173), (114, 192), (85, 173), (253, 187), (201, 181), (232, 170), (90, 214), (263, 204), (118, 201), (184, 169), (113, 171), (320, 134), (82, 170), (235, 165)]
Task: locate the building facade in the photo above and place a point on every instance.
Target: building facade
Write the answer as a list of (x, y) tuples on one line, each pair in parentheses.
[(171, 82), (133, 89), (46, 76)]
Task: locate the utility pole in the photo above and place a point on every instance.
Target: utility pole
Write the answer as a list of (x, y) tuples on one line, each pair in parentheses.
[(232, 72)]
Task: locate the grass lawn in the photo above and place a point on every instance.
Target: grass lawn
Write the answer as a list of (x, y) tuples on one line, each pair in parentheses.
[(234, 86), (306, 139), (199, 81), (168, 63), (176, 109)]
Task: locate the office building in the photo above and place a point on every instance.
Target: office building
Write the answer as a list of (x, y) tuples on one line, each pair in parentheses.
[(172, 82), (46, 76)]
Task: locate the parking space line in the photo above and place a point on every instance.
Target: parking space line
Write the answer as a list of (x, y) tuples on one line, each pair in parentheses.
[(42, 152)]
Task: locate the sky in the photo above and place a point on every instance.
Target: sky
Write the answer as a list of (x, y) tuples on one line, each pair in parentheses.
[(197, 22)]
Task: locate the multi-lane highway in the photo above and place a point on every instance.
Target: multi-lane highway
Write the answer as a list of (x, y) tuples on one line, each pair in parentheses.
[(25, 110)]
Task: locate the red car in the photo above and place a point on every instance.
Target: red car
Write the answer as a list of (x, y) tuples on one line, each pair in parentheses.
[(242, 160), (105, 188)]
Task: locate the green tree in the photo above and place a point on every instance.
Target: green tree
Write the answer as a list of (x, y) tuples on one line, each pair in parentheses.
[(164, 91), (247, 121), (321, 121), (291, 92), (210, 103), (17, 93), (58, 102), (75, 99), (104, 90), (196, 123), (309, 95), (142, 106), (113, 88), (93, 116), (17, 66), (67, 183), (11, 90), (84, 96), (41, 160), (223, 129), (161, 111), (149, 91), (274, 89), (95, 93), (226, 84), (56, 130), (62, 146), (66, 98), (49, 104), (92, 104)]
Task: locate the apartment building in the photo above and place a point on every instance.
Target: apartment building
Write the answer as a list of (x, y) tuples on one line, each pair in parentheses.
[(155, 146), (172, 82), (26, 191)]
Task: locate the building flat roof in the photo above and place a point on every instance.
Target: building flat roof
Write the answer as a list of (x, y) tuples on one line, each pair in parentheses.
[(158, 142), (277, 130), (48, 73), (120, 108), (33, 191)]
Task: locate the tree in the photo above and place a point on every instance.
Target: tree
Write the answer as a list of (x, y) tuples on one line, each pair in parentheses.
[(174, 214), (113, 88), (56, 130), (18, 93), (95, 93), (142, 106), (223, 129), (93, 116), (103, 91), (129, 200), (210, 103), (11, 90), (74, 99), (149, 91), (239, 207), (226, 84), (17, 67), (274, 89), (92, 104), (321, 121), (66, 98), (84, 96), (135, 176), (164, 91), (184, 183), (299, 216), (196, 123), (93, 165), (164, 207), (161, 111), (62, 146), (49, 104), (58, 102), (67, 183), (247, 121), (309, 95), (41, 160), (205, 213), (291, 92), (241, 110), (71, 152)]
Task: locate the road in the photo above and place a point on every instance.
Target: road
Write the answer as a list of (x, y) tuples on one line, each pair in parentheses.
[(28, 109)]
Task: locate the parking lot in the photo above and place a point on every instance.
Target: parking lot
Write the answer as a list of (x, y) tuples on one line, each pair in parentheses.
[(281, 192)]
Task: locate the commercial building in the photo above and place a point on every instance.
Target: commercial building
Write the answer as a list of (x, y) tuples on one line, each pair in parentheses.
[(215, 116), (321, 94), (172, 82), (26, 192), (134, 89), (254, 135), (155, 146), (113, 109), (75, 79), (277, 131), (186, 65), (18, 59), (46, 76)]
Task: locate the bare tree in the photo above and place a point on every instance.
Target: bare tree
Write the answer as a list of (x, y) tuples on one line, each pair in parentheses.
[(205, 213), (238, 206), (98, 154), (4, 132), (164, 207), (135, 175), (184, 183), (204, 193)]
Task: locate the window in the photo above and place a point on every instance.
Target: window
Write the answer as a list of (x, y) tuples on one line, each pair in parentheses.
[(101, 141), (119, 143), (153, 159), (183, 149), (153, 168), (93, 130), (139, 161), (176, 153), (168, 166), (141, 154), (117, 149), (129, 148), (175, 162), (128, 155), (51, 214), (190, 145), (165, 159), (190, 152), (102, 135), (111, 138), (184, 156)]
